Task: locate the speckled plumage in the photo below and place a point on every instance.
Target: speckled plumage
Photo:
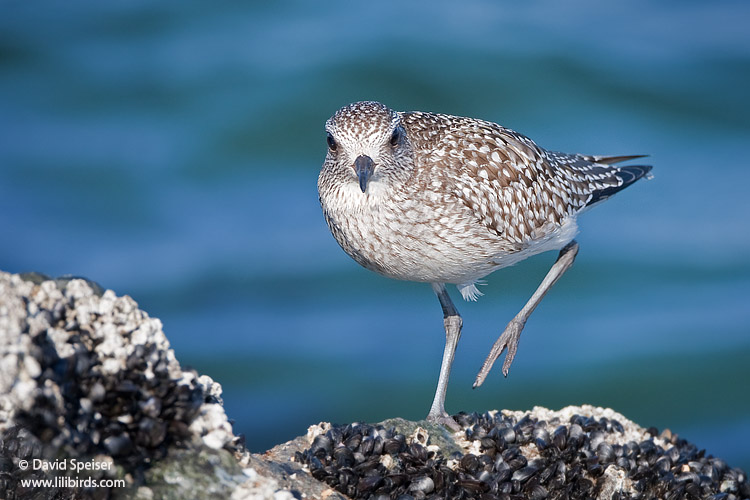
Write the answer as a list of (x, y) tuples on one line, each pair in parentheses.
[(445, 199), (457, 199)]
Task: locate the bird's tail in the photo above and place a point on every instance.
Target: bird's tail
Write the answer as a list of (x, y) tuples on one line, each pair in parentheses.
[(627, 174)]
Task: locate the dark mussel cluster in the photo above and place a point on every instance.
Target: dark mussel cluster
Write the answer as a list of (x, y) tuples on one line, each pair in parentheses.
[(131, 416), (126, 415), (523, 459)]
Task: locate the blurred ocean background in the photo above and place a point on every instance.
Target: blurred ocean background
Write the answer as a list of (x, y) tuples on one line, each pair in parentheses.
[(170, 151)]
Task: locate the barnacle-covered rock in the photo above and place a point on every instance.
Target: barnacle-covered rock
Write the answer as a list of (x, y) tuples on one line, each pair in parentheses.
[(87, 375), (574, 453)]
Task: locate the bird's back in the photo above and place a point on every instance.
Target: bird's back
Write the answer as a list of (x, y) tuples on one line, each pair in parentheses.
[(517, 189)]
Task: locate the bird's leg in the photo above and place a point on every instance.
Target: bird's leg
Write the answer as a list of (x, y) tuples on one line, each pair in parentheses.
[(452, 321), (509, 338)]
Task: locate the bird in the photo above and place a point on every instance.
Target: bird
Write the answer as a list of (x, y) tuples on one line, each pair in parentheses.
[(443, 199)]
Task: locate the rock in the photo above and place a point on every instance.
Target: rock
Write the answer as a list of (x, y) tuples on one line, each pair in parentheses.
[(88, 378), (575, 453), (85, 375)]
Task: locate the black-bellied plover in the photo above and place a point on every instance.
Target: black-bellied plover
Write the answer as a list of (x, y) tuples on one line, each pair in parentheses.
[(445, 199)]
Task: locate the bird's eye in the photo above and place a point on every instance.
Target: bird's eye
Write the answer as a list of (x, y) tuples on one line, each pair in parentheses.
[(396, 137), (331, 142)]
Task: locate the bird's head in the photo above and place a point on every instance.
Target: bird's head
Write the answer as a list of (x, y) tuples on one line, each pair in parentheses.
[(367, 145)]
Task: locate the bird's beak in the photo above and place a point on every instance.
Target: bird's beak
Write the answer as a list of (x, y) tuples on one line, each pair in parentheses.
[(363, 166)]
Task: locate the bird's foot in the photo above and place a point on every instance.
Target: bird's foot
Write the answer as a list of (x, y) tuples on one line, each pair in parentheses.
[(444, 419), (508, 339)]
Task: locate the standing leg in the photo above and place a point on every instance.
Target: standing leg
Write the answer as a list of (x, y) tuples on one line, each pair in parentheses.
[(512, 333), (452, 321)]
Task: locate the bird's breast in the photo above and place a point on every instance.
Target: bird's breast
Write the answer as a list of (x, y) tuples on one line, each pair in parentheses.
[(425, 237)]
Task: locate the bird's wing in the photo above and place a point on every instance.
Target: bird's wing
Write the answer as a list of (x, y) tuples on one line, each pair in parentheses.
[(514, 187)]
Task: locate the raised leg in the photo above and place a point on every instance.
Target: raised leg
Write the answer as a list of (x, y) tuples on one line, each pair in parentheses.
[(509, 338), (452, 321)]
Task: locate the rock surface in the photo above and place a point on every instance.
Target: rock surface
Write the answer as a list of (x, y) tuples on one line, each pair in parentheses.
[(87, 376), (575, 453)]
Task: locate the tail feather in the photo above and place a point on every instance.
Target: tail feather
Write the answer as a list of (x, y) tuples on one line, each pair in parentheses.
[(628, 174), (609, 160)]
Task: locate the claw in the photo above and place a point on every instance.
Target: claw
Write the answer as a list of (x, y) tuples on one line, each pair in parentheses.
[(445, 420), (508, 340)]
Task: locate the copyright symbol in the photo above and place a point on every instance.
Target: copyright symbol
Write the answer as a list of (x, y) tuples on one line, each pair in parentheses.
[(23, 464)]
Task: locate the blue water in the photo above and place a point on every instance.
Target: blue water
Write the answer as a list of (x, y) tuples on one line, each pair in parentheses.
[(170, 152)]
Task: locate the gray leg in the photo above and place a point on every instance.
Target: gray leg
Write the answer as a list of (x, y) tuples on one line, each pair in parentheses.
[(512, 333), (452, 321)]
